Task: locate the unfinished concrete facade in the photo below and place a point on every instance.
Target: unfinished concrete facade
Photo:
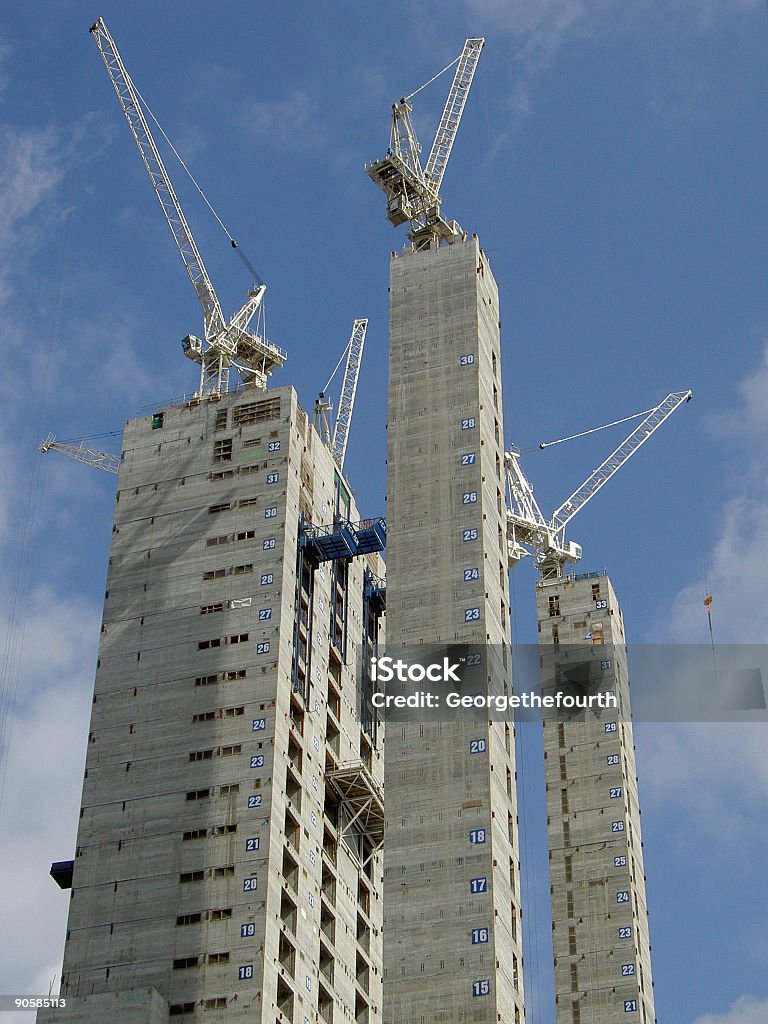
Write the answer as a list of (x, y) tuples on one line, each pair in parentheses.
[(216, 875), (452, 939), (599, 915)]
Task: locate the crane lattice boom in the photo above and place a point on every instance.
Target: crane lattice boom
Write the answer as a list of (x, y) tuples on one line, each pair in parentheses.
[(454, 108), (98, 460), (225, 343), (161, 182), (348, 391), (600, 476), (528, 532)]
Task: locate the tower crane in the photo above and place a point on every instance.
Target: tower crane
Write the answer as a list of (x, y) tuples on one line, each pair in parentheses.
[(336, 439), (529, 533), (225, 343), (413, 192), (107, 461)]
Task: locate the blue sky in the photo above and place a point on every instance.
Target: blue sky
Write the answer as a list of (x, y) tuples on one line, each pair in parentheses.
[(612, 159)]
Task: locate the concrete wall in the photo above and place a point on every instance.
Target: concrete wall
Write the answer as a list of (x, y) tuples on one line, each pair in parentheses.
[(601, 945), (444, 375), (200, 867)]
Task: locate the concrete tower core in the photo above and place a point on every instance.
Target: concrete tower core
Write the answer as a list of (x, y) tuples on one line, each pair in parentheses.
[(599, 913), (227, 862), (452, 938)]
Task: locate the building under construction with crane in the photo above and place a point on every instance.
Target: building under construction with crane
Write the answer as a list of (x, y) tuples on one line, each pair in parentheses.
[(228, 859), (461, 513), (234, 860)]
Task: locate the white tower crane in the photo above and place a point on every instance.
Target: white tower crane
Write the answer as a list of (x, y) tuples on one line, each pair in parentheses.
[(98, 460), (529, 533), (336, 439), (413, 193), (225, 343), (348, 391)]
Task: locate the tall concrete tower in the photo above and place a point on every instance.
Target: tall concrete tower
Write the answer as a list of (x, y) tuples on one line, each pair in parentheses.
[(599, 914), (227, 863), (452, 933)]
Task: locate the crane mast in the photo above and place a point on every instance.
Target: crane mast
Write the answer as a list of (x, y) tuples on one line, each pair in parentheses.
[(413, 193), (528, 532), (225, 343)]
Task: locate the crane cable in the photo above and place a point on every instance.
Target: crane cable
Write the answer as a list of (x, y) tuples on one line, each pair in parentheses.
[(336, 367), (433, 78), (593, 430), (89, 437), (705, 562), (235, 245)]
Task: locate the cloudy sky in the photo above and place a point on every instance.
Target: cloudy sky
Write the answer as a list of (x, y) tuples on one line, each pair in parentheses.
[(613, 160)]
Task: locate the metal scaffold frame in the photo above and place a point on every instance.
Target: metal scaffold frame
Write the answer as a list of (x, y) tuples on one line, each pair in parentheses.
[(361, 802)]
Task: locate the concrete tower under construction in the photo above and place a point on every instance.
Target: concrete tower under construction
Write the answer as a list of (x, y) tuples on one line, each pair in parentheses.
[(599, 915), (234, 861), (452, 933), (227, 863)]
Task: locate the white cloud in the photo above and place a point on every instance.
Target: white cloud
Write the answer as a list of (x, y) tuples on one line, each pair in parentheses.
[(41, 794), (29, 170), (750, 421), (124, 368), (739, 609), (47, 663), (536, 31), (723, 770), (54, 644), (289, 122), (747, 1010), (551, 21)]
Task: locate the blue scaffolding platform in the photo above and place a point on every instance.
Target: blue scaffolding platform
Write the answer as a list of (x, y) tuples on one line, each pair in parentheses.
[(342, 540), (375, 592), (371, 536)]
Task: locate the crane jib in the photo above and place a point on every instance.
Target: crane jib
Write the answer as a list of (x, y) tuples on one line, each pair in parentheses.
[(225, 343)]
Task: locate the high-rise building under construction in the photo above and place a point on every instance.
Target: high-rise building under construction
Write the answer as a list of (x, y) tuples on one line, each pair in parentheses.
[(227, 863), (452, 933), (600, 933), (229, 852)]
